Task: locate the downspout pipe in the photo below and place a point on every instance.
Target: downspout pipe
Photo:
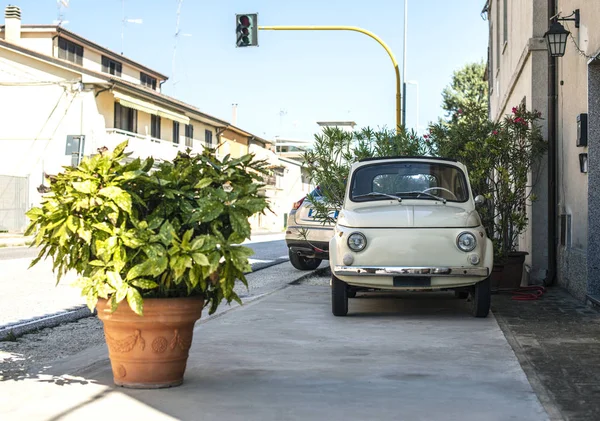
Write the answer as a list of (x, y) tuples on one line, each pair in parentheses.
[(552, 165)]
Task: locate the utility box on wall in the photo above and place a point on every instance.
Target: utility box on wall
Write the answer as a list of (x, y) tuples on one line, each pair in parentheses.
[(582, 130)]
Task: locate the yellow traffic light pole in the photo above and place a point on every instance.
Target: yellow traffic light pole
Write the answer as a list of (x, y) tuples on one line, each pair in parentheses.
[(362, 31)]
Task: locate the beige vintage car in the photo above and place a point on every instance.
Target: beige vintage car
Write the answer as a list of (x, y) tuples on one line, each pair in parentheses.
[(410, 224)]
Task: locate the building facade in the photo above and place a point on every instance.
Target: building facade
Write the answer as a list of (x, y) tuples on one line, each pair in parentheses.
[(518, 72), (62, 97)]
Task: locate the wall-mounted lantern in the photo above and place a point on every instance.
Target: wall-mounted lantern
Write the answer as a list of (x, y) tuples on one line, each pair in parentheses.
[(557, 35)]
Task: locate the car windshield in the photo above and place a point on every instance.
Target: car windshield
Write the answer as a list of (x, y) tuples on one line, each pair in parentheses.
[(409, 180)]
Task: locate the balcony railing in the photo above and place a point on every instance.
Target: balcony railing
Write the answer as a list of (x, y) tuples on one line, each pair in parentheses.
[(145, 146)]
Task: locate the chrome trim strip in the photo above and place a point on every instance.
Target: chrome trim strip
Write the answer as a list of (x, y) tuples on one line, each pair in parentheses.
[(310, 227), (409, 271)]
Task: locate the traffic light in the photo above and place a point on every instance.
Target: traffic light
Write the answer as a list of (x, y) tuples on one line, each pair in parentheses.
[(246, 28)]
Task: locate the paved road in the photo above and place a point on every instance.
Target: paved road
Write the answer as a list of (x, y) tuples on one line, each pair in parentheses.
[(31, 293), (267, 249), (285, 357)]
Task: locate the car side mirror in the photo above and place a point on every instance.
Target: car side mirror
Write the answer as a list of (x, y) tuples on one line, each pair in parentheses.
[(479, 200)]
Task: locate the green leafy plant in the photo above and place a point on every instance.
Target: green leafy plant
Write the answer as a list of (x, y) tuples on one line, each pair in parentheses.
[(334, 151), (512, 153), (133, 230), (501, 158)]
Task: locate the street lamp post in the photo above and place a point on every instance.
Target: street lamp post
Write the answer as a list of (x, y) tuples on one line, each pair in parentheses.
[(399, 120), (416, 83), (404, 62)]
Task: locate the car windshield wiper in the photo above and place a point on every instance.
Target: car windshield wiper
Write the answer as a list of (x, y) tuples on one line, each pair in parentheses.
[(441, 199), (373, 194)]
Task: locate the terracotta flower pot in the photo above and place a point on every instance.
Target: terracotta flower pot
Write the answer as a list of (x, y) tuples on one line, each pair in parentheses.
[(150, 351)]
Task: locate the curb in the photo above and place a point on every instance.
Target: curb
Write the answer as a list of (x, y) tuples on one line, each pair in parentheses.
[(317, 272), (544, 396), (14, 330), (17, 329)]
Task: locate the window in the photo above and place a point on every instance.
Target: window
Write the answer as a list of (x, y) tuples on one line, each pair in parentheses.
[(148, 80), (155, 127), (409, 181), (176, 132), (505, 19), (68, 50), (125, 118), (189, 135), (208, 138), (111, 66)]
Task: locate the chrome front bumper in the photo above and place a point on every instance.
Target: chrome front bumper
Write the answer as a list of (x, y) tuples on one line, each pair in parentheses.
[(409, 271)]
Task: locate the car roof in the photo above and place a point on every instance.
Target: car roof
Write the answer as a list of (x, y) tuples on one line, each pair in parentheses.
[(437, 158), (386, 159)]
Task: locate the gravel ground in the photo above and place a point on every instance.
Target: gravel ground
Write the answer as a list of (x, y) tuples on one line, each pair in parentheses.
[(27, 355), (317, 281)]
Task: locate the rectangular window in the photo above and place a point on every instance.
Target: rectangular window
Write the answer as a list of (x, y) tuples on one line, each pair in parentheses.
[(148, 80), (189, 135), (505, 19), (155, 126), (68, 50), (176, 132), (208, 138), (125, 118), (111, 66)]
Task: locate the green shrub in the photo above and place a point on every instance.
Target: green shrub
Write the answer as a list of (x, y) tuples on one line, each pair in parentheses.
[(132, 231)]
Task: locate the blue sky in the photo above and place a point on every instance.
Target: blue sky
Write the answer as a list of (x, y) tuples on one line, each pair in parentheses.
[(311, 76)]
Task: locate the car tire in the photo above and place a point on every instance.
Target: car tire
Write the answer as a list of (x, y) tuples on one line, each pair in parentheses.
[(303, 263), (339, 297), (481, 298), (463, 295)]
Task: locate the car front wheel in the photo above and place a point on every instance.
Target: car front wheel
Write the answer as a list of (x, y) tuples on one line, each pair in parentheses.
[(481, 298), (303, 263), (339, 297)]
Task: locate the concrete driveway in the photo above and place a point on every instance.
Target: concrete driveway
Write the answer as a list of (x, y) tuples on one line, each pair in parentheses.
[(285, 357)]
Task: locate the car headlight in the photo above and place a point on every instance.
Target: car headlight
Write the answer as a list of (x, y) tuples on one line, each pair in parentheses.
[(466, 241), (357, 241)]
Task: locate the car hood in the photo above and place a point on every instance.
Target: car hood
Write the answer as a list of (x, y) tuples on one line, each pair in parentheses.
[(409, 216)]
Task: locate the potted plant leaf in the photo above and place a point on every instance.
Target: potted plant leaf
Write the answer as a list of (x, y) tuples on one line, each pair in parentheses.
[(165, 238), (502, 160), (514, 149)]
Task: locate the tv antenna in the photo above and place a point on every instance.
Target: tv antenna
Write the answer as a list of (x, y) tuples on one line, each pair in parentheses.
[(177, 35), (282, 113), (60, 6), (124, 21)]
